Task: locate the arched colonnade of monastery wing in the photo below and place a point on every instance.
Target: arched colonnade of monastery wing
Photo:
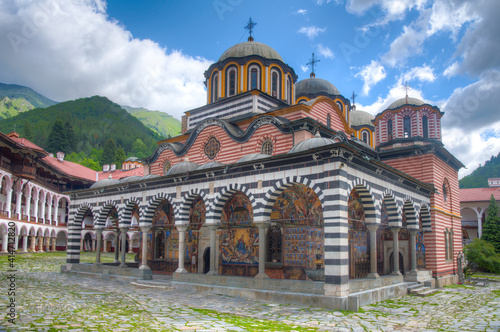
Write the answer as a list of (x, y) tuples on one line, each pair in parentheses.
[(332, 179)]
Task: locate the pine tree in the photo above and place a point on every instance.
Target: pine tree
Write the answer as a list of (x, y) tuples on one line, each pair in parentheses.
[(57, 138), (27, 133), (109, 152), (120, 157), (491, 229), (70, 137)]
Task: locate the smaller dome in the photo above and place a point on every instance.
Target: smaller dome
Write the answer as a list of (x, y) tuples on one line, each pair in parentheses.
[(130, 179), (361, 118), (211, 164), (406, 101), (150, 176), (248, 48), (182, 167), (132, 159), (252, 156), (312, 143), (315, 86), (104, 183)]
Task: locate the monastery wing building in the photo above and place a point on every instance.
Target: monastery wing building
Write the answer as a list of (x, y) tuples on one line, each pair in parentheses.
[(286, 184)]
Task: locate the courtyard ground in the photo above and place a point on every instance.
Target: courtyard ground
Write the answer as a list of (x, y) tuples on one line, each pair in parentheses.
[(47, 300)]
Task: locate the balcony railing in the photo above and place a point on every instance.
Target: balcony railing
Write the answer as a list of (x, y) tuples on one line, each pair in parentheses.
[(24, 170)]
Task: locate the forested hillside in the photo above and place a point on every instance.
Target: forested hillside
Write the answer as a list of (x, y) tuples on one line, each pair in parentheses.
[(14, 91), (161, 123), (82, 128), (479, 178)]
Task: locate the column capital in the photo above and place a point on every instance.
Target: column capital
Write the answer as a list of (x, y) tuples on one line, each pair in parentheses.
[(98, 230), (414, 231), (124, 229), (182, 228), (213, 226), (372, 227), (395, 230), (145, 229)]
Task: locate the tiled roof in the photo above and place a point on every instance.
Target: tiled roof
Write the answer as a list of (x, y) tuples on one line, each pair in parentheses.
[(479, 194), (24, 142), (120, 174), (72, 169)]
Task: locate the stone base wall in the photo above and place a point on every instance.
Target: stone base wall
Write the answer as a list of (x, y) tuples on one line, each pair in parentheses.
[(107, 270), (360, 285), (446, 281)]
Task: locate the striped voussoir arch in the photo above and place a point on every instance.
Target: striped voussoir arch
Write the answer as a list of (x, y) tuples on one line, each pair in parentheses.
[(411, 216), (80, 213), (146, 217), (426, 218), (392, 210), (125, 213), (280, 186), (185, 206), (363, 189), (103, 214), (74, 233), (221, 198)]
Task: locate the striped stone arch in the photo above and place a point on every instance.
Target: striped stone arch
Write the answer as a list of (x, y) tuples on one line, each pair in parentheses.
[(392, 209), (411, 215), (214, 216), (103, 214), (185, 205), (80, 213), (278, 188), (146, 218), (364, 190), (426, 218), (125, 214)]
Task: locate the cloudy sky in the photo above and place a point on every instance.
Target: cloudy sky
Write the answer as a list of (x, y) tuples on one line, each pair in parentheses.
[(154, 53)]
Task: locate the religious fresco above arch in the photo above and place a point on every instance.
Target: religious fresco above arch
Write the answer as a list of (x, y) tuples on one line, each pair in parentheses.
[(197, 213), (163, 241), (359, 252)]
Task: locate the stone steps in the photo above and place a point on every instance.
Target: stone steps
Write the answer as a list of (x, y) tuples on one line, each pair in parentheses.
[(419, 289)]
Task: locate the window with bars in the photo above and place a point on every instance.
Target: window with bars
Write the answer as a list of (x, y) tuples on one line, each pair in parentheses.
[(267, 147), (274, 245)]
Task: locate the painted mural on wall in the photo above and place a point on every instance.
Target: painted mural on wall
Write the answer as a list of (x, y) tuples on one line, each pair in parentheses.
[(420, 250), (196, 221), (300, 205), (359, 254)]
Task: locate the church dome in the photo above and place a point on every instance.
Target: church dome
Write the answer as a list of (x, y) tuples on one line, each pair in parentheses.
[(249, 48), (315, 86), (211, 164), (405, 101), (252, 156), (312, 143), (361, 118), (104, 183), (182, 167)]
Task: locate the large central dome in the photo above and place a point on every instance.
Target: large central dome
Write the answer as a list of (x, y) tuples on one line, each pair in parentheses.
[(248, 48)]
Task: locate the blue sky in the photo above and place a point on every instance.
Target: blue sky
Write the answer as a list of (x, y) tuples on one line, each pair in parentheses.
[(154, 53)]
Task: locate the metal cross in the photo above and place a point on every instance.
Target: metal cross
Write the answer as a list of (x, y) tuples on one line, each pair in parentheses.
[(250, 25), (312, 62), (353, 98), (406, 87)]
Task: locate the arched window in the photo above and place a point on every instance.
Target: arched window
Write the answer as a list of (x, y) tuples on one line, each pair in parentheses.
[(254, 77), (389, 130), (267, 147), (407, 126), (328, 120), (215, 87), (231, 82), (425, 126), (166, 166), (365, 137), (274, 245), (445, 193), (275, 85)]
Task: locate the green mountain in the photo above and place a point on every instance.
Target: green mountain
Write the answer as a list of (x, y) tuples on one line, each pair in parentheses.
[(12, 107), (479, 178), (14, 91), (90, 123), (161, 123)]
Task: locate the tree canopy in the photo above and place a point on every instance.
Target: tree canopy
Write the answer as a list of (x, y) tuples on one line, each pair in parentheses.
[(491, 228)]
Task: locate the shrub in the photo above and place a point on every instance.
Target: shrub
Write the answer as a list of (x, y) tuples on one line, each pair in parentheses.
[(481, 255)]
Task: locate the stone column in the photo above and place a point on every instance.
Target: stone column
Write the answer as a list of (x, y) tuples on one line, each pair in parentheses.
[(16, 242), (182, 248), (131, 246), (28, 207), (49, 212), (413, 250), (479, 227), (104, 245), (5, 241), (144, 254), (395, 251), (124, 245), (40, 244), (33, 242), (35, 209), (18, 204), (117, 246), (81, 244), (25, 243), (373, 250), (56, 211), (54, 244), (98, 234), (262, 251), (47, 244), (93, 244), (213, 235), (43, 210), (8, 203)]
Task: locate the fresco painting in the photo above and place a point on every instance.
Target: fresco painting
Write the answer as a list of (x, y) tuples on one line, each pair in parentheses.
[(420, 251), (239, 246), (359, 254)]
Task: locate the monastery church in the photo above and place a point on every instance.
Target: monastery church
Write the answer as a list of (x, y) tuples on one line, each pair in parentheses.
[(279, 185)]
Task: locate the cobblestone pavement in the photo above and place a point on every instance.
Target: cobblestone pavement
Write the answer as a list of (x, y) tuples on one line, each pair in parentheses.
[(47, 300)]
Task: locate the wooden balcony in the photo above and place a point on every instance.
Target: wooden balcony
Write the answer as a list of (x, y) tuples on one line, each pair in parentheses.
[(24, 171)]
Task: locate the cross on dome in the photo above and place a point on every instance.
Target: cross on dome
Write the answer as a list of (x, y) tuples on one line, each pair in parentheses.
[(353, 98), (250, 25), (312, 63), (406, 87)]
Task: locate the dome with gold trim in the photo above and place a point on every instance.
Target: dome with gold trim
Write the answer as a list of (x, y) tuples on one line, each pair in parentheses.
[(249, 48)]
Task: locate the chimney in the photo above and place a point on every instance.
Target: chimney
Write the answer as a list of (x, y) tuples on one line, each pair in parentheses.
[(184, 124), (51, 155), (113, 167), (105, 168), (60, 156)]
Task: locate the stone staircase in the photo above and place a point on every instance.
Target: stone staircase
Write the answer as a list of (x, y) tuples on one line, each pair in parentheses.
[(419, 289)]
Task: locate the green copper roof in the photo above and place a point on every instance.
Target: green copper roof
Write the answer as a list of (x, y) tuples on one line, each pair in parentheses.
[(313, 86), (242, 50)]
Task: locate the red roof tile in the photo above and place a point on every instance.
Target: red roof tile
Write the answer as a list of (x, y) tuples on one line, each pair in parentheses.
[(479, 194), (72, 169), (24, 142), (120, 174)]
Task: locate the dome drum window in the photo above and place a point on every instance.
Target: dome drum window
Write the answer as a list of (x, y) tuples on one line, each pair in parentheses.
[(407, 126), (215, 87), (254, 77), (275, 83), (232, 79)]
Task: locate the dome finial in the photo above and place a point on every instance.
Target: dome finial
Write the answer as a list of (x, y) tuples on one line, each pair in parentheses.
[(353, 98), (311, 64), (250, 25), (406, 87)]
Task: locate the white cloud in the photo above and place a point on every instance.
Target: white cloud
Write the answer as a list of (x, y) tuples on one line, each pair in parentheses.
[(451, 70), (304, 68), (423, 74), (393, 9), (302, 11), (71, 49), (311, 31), (409, 43), (371, 75), (325, 51)]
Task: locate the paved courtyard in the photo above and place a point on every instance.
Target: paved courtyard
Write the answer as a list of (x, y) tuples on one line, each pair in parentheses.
[(47, 301)]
